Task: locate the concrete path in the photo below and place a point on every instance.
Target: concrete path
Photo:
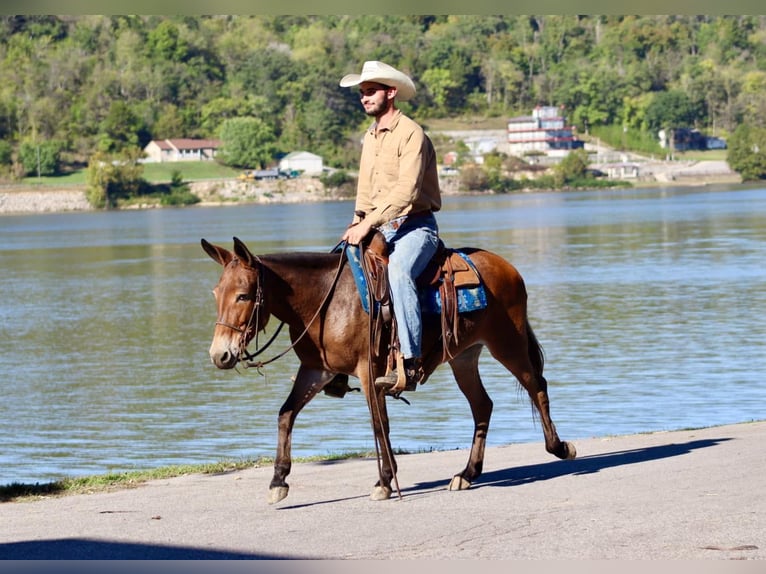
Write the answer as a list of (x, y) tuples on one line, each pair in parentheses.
[(696, 494)]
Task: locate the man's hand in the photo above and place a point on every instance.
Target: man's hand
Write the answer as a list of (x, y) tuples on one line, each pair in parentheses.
[(356, 232)]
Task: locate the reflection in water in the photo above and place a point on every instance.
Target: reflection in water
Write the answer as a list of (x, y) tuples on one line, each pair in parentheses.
[(647, 302)]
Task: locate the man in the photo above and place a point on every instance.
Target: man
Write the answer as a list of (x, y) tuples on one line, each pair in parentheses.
[(398, 193)]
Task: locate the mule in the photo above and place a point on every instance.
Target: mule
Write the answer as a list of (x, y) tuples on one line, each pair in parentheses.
[(315, 295)]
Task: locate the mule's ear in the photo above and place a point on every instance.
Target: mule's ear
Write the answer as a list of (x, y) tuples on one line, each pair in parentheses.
[(241, 251), (219, 254)]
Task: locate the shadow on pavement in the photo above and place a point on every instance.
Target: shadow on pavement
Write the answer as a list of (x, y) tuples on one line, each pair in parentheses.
[(87, 549), (586, 465)]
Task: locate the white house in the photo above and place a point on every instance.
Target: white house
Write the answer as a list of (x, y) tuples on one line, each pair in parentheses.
[(302, 161), (181, 149)]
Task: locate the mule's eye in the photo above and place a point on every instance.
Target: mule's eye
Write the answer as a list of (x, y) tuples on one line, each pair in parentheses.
[(243, 297)]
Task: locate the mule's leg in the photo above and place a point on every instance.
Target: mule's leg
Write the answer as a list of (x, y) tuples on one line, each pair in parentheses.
[(380, 427), (554, 445), (308, 382), (465, 367), (523, 357)]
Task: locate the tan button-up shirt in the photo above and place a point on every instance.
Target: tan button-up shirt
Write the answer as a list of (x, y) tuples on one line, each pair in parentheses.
[(397, 172)]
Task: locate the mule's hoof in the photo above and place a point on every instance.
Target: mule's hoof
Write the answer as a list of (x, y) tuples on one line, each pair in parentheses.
[(459, 483), (380, 493), (571, 450), (278, 493)]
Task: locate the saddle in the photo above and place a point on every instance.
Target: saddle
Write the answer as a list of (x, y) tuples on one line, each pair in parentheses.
[(447, 271)]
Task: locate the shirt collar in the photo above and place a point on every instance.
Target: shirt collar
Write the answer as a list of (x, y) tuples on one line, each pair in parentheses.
[(392, 125)]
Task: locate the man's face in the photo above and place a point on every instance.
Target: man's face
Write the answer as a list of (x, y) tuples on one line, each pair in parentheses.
[(374, 98)]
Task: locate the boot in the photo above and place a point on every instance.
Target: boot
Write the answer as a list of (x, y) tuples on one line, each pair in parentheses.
[(338, 386), (413, 373)]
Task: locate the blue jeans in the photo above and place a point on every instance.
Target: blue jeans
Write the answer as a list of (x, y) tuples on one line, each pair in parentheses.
[(412, 242)]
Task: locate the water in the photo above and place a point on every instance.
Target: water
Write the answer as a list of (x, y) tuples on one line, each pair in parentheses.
[(649, 304)]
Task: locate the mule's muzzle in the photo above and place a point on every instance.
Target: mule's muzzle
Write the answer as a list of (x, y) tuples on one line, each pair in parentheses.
[(225, 360), (222, 355)]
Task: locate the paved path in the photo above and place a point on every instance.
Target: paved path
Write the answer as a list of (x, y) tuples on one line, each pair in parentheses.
[(670, 495)]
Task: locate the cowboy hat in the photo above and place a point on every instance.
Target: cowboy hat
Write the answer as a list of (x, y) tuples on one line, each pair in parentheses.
[(374, 71)]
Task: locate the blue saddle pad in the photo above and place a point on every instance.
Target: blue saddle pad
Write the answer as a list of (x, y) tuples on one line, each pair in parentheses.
[(468, 298)]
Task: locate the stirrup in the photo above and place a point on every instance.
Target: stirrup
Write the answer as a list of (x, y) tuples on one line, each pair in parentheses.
[(338, 386), (390, 379)]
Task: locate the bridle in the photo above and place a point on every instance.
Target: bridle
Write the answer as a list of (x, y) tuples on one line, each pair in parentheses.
[(245, 357), (254, 319)]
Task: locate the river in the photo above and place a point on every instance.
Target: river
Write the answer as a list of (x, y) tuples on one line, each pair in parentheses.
[(649, 304)]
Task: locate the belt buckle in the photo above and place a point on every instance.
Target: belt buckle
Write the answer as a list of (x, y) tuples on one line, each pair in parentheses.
[(397, 222)]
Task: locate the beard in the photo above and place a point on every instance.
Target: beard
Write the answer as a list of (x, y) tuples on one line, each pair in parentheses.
[(379, 108)]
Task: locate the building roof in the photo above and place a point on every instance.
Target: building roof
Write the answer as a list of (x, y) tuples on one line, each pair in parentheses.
[(187, 143), (303, 154)]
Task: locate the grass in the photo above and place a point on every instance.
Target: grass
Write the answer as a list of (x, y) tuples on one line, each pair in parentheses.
[(459, 124), (17, 492), (153, 173), (700, 155)]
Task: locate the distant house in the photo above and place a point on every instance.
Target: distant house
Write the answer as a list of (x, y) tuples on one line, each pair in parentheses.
[(690, 139), (544, 131), (181, 150), (302, 161)]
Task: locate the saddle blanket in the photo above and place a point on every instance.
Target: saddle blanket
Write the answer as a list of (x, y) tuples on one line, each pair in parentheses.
[(469, 298)]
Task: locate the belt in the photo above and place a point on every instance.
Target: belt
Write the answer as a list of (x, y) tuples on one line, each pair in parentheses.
[(399, 221)]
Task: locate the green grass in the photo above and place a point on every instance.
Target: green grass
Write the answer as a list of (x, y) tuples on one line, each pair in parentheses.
[(699, 155), (190, 171), (458, 124), (16, 492), (153, 173)]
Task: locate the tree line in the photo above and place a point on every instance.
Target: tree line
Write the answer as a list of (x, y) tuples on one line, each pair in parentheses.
[(72, 87)]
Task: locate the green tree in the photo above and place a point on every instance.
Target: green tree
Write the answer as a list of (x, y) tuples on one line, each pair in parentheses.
[(247, 142), (112, 177), (439, 83), (6, 153), (753, 98), (670, 110), (40, 158), (571, 168), (122, 128), (747, 152)]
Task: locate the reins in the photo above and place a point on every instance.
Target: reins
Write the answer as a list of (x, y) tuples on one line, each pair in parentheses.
[(245, 356), (373, 401)]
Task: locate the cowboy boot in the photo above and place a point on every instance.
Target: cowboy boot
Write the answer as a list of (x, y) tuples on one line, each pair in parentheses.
[(413, 372)]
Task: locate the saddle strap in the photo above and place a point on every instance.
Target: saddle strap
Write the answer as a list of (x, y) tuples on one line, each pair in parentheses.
[(449, 314)]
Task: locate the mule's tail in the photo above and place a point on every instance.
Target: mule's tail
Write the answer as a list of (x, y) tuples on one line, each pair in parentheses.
[(535, 350)]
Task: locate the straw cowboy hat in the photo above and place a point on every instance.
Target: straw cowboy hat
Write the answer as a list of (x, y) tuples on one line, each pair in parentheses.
[(374, 71)]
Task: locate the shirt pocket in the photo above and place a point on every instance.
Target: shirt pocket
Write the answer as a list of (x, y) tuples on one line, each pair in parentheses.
[(390, 166)]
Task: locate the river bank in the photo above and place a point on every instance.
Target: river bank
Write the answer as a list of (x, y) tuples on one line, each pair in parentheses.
[(18, 200)]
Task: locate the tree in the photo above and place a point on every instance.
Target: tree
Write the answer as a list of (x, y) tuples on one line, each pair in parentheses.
[(572, 167), (747, 152), (439, 84), (111, 177), (247, 142), (670, 110), (122, 128), (6, 153), (40, 158)]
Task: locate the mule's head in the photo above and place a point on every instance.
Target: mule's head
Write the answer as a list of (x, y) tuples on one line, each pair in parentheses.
[(239, 299)]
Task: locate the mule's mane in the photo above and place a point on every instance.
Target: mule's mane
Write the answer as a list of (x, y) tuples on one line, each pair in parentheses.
[(302, 259)]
